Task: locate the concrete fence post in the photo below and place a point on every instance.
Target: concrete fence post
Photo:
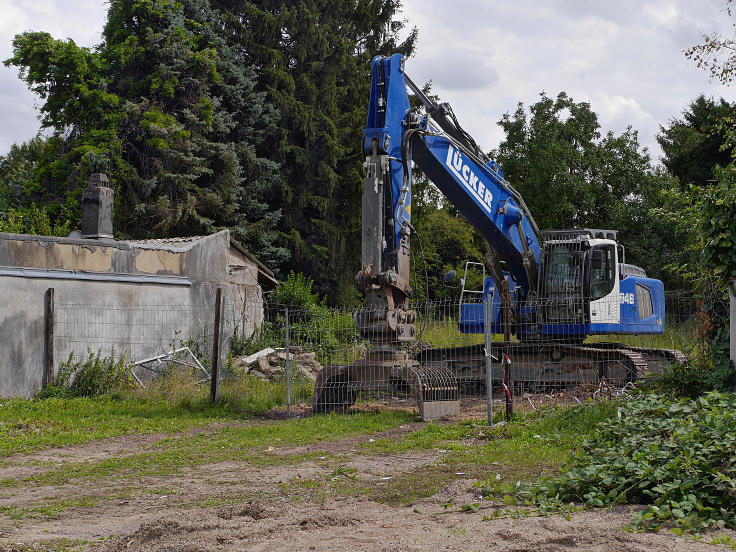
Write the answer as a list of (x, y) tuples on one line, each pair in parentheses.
[(49, 369), (215, 371)]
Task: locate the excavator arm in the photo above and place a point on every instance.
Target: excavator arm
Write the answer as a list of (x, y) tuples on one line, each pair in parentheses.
[(397, 137)]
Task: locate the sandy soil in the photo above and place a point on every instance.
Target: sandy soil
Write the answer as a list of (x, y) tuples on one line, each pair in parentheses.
[(353, 525), (235, 506)]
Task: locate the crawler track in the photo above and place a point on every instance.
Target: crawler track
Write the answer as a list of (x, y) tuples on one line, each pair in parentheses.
[(537, 366)]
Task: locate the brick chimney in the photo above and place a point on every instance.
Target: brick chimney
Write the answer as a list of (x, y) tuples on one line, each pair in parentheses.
[(97, 208)]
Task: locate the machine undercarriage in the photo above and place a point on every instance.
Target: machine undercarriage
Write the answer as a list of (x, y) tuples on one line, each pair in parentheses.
[(441, 375)]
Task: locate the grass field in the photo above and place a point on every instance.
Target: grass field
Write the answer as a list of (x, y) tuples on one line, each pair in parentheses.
[(142, 459)]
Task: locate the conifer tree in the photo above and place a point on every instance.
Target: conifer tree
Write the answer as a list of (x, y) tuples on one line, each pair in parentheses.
[(313, 59), (169, 110)]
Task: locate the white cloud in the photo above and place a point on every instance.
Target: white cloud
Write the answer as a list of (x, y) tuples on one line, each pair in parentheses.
[(80, 20), (625, 58), (620, 107), (483, 56), (663, 13)]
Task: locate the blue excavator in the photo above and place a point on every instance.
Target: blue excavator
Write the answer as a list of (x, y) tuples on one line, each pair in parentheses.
[(549, 290)]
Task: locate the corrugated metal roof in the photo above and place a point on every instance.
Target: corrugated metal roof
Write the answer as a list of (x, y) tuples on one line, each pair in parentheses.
[(165, 241)]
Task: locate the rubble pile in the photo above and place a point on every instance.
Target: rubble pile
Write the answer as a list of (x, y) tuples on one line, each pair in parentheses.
[(270, 364)]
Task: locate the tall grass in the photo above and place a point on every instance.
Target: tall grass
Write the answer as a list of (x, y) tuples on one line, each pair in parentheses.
[(239, 394)]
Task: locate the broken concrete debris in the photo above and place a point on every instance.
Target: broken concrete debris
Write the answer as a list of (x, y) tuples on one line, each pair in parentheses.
[(270, 364)]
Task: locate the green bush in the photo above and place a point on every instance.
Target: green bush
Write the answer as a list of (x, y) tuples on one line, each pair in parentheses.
[(95, 376), (331, 334), (682, 379), (297, 292), (675, 456)]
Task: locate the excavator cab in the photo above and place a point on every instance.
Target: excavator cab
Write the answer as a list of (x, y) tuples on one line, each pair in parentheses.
[(585, 288)]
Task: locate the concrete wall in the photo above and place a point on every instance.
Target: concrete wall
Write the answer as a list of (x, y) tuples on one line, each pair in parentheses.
[(137, 298), (143, 320)]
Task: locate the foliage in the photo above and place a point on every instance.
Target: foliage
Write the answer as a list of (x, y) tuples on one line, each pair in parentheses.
[(313, 325), (92, 377), (313, 59), (717, 225), (572, 176), (693, 145), (694, 150), (716, 54), (682, 379), (169, 111), (675, 456), (20, 213), (32, 220), (699, 208), (442, 242), (296, 291)]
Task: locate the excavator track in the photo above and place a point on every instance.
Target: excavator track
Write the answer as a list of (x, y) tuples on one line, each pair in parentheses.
[(544, 365), (536, 366)]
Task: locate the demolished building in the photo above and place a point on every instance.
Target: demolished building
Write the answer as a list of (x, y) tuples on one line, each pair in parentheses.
[(136, 298)]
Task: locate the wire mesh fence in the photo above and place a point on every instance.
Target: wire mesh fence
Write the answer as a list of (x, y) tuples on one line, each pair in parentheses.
[(319, 359)]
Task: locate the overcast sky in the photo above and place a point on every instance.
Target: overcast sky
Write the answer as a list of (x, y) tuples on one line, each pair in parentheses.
[(483, 56)]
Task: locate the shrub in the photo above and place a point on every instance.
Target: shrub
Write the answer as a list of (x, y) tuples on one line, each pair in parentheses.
[(681, 379), (95, 376), (330, 333), (675, 456), (296, 291)]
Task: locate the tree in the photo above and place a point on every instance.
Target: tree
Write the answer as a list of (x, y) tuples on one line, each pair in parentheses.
[(313, 62), (573, 177), (694, 144), (717, 54), (443, 241), (23, 208), (169, 110)]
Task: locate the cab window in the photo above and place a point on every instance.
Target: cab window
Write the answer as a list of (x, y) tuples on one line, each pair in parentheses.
[(602, 271), (644, 301)]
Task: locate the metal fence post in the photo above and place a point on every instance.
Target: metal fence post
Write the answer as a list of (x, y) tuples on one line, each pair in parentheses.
[(505, 359), (287, 367), (49, 374), (488, 334), (215, 372)]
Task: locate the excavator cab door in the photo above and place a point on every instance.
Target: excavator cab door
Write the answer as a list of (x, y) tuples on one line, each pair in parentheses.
[(603, 284)]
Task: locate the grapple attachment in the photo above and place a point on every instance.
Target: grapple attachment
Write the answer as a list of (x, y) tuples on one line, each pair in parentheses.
[(436, 390), (433, 386)]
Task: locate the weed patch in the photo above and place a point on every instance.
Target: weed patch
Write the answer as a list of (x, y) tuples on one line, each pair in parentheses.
[(675, 456)]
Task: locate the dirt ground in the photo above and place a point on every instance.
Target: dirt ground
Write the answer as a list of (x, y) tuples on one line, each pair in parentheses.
[(236, 506)]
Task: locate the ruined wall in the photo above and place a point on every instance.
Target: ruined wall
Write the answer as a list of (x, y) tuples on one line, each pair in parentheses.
[(202, 259), (137, 298), (142, 320)]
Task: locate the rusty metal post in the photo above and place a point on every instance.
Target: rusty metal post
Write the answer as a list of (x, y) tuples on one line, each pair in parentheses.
[(215, 371), (488, 334), (506, 364), (49, 372), (287, 366)]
